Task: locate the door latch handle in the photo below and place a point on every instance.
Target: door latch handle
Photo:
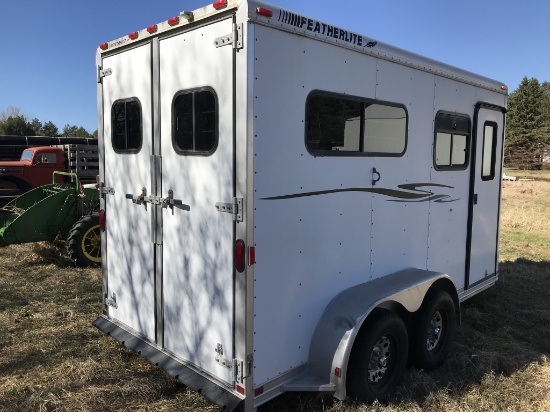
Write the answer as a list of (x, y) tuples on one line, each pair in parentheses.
[(475, 199), (170, 202), (377, 174), (141, 199)]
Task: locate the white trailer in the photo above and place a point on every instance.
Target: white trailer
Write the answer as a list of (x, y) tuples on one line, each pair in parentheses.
[(288, 205)]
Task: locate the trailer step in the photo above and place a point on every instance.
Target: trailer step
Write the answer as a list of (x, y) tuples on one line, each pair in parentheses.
[(309, 383)]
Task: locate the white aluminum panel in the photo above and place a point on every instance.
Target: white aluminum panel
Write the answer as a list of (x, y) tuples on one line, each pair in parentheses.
[(307, 248), (485, 220), (400, 219), (449, 220), (198, 243), (128, 226)]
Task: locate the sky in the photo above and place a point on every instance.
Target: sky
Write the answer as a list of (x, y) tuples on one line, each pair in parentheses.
[(47, 53)]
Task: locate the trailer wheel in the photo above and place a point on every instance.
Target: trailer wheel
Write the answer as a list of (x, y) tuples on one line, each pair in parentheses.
[(435, 327), (378, 358), (84, 241)]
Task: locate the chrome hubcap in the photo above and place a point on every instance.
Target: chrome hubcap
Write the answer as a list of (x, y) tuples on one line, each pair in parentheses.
[(379, 359), (434, 332)]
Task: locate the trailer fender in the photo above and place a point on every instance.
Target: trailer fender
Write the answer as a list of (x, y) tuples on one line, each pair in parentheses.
[(343, 317)]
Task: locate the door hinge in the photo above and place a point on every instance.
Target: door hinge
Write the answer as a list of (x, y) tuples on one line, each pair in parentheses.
[(226, 363), (234, 39), (240, 369), (103, 190), (111, 301), (103, 73), (235, 208), (243, 370)]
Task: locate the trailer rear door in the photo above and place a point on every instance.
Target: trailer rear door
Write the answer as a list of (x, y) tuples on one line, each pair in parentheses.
[(169, 159), (196, 104), (128, 148)]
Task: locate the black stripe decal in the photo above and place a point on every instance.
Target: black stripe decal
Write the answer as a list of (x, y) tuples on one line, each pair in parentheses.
[(398, 195)]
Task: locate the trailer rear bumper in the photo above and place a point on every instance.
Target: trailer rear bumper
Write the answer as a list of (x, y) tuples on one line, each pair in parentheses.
[(214, 392)]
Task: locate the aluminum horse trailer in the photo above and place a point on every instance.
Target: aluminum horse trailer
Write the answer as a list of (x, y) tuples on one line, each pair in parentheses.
[(288, 205)]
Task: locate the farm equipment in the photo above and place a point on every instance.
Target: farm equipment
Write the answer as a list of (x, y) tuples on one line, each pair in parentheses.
[(53, 212)]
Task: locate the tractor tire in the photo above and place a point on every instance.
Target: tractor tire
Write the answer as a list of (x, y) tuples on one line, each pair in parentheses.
[(84, 241)]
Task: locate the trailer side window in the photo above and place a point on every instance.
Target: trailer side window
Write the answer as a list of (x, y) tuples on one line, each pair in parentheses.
[(342, 125), (126, 134), (489, 151), (195, 122), (452, 141)]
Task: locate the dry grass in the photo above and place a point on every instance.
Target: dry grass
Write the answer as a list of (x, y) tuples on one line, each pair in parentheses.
[(53, 359)]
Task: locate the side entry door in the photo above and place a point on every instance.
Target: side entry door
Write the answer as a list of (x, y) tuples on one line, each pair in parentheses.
[(485, 194)]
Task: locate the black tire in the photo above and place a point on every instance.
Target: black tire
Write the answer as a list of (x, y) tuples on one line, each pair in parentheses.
[(84, 241), (379, 357), (433, 331)]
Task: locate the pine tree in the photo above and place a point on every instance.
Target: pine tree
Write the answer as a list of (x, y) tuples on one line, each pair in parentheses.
[(527, 125)]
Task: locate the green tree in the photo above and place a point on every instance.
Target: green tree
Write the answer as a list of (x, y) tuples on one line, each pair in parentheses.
[(16, 125), (36, 125), (49, 129), (528, 133), (75, 131)]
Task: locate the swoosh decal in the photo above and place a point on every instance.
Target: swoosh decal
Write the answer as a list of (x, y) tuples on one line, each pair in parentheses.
[(411, 193)]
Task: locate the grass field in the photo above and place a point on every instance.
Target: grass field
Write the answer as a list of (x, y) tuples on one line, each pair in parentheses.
[(53, 359)]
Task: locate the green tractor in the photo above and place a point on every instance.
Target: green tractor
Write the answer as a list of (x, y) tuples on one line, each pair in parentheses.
[(56, 212)]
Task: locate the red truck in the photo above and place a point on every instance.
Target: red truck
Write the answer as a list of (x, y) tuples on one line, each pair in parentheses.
[(37, 164)]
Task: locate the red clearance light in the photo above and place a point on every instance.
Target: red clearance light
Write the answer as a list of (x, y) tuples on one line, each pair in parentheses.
[(240, 389), (102, 220), (264, 12), (173, 21), (104, 46), (338, 372), (240, 255), (219, 4), (134, 35), (152, 29)]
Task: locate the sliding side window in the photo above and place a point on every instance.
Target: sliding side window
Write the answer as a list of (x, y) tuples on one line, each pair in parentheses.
[(195, 122), (126, 136), (489, 151), (345, 126), (452, 141)]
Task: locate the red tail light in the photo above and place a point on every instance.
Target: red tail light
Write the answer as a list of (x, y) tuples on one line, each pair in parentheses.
[(240, 253), (102, 220)]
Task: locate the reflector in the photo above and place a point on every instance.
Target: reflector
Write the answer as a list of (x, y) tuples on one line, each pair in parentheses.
[(102, 220)]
